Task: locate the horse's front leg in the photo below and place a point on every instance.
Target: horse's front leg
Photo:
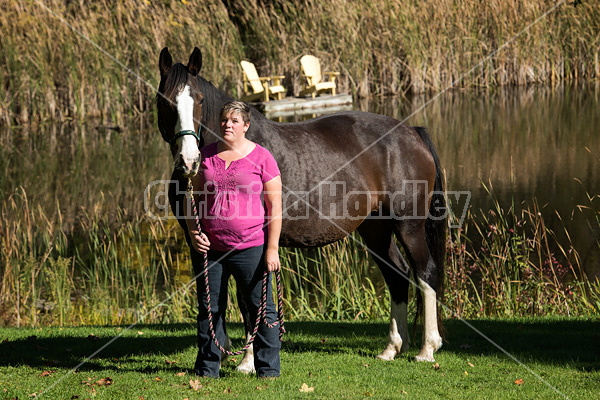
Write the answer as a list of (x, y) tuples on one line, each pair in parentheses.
[(247, 364), (398, 336)]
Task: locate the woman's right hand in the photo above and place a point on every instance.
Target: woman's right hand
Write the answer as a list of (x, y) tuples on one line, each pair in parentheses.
[(199, 241)]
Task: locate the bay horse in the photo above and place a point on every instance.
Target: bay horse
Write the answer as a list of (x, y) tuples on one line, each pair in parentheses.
[(341, 172)]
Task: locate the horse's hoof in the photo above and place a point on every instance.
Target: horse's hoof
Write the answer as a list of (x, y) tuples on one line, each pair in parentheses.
[(424, 358), (387, 355), (246, 369)]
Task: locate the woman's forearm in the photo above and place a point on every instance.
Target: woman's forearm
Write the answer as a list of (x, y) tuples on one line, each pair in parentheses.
[(273, 204), (274, 225)]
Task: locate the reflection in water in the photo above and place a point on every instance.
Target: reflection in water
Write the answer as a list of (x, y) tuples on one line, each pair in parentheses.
[(535, 143), (74, 168)]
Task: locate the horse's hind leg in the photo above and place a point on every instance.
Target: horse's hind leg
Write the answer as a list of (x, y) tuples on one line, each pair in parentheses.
[(412, 236), (379, 238)]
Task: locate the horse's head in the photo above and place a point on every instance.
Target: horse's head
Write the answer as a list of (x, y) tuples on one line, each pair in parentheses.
[(179, 104)]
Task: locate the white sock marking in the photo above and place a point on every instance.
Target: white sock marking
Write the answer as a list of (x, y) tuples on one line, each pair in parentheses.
[(398, 338), (431, 337)]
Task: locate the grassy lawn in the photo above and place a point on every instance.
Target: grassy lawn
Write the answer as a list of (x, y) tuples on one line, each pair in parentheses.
[(560, 359)]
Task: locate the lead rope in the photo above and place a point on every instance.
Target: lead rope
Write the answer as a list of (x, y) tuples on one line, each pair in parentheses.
[(262, 309)]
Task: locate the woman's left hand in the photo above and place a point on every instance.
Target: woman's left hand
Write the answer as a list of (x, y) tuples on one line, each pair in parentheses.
[(272, 260)]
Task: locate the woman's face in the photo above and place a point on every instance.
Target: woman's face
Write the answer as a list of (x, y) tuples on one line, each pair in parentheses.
[(233, 127)]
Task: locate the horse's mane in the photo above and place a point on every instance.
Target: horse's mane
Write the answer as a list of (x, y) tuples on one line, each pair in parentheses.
[(213, 101), (172, 84)]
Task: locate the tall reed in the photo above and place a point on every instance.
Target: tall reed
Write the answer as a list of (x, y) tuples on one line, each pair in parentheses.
[(114, 269), (53, 68), (108, 271), (514, 265)]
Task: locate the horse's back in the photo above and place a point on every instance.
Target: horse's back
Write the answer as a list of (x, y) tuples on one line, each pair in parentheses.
[(350, 146)]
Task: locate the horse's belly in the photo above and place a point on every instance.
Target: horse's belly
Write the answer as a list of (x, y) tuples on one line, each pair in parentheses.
[(323, 217)]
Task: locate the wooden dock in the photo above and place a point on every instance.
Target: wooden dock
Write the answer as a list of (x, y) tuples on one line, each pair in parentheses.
[(298, 105)]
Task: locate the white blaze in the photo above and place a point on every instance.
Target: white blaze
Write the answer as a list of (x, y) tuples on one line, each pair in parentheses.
[(185, 109)]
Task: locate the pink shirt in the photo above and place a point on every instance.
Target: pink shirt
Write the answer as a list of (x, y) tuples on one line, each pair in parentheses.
[(231, 208)]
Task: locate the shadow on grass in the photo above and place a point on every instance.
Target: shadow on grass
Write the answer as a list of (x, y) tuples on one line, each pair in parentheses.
[(572, 342), (551, 341)]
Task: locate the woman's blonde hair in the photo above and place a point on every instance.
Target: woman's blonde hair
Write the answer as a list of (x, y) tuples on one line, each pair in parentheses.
[(236, 106)]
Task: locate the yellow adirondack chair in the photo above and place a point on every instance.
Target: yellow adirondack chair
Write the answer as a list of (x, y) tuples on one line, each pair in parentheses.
[(256, 87), (311, 70)]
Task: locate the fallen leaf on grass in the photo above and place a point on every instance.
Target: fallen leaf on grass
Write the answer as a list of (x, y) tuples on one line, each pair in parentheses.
[(306, 389), (403, 392), (228, 390), (436, 366), (158, 379), (323, 340), (140, 333), (46, 373), (180, 374), (195, 384), (471, 365), (104, 381), (519, 381), (101, 382), (169, 362)]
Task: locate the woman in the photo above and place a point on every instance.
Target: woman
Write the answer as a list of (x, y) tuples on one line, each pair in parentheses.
[(240, 235)]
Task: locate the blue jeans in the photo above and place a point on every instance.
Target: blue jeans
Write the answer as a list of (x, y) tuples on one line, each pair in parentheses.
[(247, 267)]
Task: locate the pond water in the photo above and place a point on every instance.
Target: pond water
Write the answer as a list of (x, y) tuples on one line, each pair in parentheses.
[(526, 144)]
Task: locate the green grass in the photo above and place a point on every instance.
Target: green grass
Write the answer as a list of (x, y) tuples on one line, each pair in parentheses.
[(336, 359)]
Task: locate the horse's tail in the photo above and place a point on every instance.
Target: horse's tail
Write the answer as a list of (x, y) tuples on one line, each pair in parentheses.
[(435, 228)]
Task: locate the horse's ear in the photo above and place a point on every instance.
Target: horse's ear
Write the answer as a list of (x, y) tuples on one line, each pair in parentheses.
[(165, 62), (195, 62)]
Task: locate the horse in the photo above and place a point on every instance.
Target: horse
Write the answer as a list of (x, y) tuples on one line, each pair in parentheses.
[(341, 172)]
